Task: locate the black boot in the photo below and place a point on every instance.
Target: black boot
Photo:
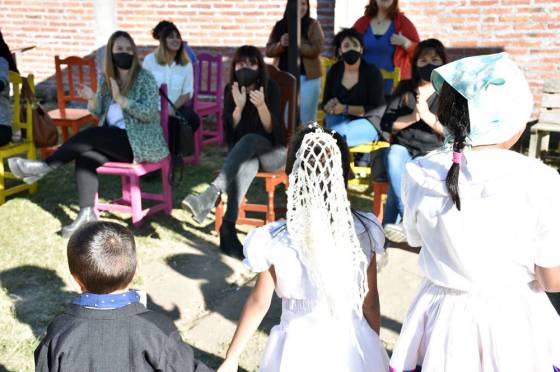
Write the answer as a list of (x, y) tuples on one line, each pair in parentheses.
[(86, 215), (200, 205), (229, 242)]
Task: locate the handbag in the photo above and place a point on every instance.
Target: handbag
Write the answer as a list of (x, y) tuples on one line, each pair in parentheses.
[(45, 133), (181, 139)]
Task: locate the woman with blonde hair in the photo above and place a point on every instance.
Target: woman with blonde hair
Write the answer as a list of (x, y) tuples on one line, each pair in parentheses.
[(126, 104)]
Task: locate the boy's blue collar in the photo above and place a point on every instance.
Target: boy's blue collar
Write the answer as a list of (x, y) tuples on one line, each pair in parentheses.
[(107, 301)]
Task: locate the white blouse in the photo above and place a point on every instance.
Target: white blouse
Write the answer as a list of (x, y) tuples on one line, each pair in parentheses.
[(508, 223), (179, 79)]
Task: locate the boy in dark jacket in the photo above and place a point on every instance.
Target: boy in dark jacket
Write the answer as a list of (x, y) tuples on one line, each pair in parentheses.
[(106, 328)]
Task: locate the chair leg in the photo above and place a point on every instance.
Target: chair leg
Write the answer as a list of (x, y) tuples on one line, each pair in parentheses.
[(65, 134), (167, 191), (135, 200), (75, 128), (378, 189), (219, 214), (270, 213), (32, 155), (125, 189), (533, 144)]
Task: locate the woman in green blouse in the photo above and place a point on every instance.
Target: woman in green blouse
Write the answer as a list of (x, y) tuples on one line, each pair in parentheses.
[(127, 105)]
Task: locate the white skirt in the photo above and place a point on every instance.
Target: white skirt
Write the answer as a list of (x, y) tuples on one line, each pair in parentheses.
[(513, 330), (308, 340)]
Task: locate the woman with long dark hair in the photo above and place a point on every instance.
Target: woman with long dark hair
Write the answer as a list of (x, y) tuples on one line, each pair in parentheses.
[(127, 105), (487, 221), (411, 120), (311, 45), (254, 137)]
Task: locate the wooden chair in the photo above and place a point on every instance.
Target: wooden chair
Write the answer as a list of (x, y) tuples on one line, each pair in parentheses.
[(130, 173), (26, 147), (74, 118), (549, 119), (326, 63), (208, 96), (288, 88)]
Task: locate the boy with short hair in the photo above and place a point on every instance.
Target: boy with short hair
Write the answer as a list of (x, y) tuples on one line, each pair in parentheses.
[(107, 328)]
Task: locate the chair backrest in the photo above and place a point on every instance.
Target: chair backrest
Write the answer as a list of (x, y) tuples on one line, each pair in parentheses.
[(288, 99), (550, 102), (326, 63), (164, 113), (394, 75), (75, 67), (20, 121), (208, 77)]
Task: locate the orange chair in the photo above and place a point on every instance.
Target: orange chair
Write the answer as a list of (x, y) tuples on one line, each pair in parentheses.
[(380, 189), (73, 118), (288, 98)]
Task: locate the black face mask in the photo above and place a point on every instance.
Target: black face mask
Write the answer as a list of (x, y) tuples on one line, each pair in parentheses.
[(351, 56), (425, 72), (246, 76), (123, 60)]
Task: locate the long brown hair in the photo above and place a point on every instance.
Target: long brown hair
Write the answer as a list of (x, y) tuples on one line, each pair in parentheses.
[(372, 9), (163, 53), (110, 67)]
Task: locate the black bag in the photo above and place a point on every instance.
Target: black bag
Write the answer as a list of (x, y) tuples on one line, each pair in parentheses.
[(181, 139), (378, 171)]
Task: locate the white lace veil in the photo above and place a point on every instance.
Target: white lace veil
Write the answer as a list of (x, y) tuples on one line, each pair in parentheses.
[(320, 224)]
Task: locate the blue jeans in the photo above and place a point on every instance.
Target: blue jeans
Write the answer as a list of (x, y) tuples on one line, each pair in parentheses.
[(310, 90), (395, 160), (356, 132)]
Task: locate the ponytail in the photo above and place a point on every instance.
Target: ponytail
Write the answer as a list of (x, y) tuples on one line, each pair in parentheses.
[(453, 113)]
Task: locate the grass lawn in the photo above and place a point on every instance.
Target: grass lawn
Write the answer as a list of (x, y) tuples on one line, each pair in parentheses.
[(35, 284)]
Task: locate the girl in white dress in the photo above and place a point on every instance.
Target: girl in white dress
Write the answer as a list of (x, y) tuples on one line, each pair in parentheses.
[(322, 263), (486, 219)]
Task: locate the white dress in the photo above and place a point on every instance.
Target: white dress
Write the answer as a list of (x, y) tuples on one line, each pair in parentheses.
[(480, 308), (307, 339)]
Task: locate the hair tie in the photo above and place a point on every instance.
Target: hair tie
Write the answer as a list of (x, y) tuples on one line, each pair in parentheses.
[(457, 156)]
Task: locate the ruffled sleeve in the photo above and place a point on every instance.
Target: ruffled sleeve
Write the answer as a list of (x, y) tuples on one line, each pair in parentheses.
[(370, 233), (547, 190), (256, 249)]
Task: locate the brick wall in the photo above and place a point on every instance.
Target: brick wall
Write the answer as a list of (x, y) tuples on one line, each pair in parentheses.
[(528, 29)]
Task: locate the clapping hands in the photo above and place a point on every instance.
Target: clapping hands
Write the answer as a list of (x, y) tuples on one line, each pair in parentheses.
[(239, 95)]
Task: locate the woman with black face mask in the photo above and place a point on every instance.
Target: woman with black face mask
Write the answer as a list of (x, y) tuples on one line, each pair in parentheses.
[(410, 118), (254, 136), (353, 91), (127, 105)]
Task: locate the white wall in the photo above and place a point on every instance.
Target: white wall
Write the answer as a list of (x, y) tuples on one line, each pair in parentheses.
[(347, 12)]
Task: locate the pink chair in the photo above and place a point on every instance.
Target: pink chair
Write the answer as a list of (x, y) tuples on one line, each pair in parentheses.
[(208, 96), (131, 200)]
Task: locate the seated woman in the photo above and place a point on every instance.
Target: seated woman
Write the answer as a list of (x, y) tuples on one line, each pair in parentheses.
[(170, 65), (254, 137), (352, 91), (410, 117), (127, 105), (164, 24)]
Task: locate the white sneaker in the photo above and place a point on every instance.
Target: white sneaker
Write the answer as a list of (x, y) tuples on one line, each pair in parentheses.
[(395, 232)]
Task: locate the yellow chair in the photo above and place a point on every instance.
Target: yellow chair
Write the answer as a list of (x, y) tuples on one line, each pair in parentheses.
[(26, 146), (362, 173), (326, 63)]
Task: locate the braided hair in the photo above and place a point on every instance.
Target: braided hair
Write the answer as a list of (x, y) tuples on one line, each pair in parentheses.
[(453, 113)]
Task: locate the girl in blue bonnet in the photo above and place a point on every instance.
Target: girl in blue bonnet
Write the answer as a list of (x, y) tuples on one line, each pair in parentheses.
[(486, 219)]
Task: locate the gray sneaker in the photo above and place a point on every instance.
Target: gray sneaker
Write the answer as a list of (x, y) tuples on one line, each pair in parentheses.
[(395, 232)]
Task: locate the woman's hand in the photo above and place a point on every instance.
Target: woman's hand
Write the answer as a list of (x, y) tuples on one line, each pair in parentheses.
[(85, 92), (285, 40), (228, 365), (116, 93), (239, 95), (334, 107), (400, 40), (257, 97)]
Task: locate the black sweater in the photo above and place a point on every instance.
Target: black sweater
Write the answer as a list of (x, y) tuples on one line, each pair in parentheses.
[(250, 121), (418, 138), (130, 338), (367, 92)]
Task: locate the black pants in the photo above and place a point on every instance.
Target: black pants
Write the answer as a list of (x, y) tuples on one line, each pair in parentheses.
[(251, 153), (188, 113), (5, 134), (90, 149)]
